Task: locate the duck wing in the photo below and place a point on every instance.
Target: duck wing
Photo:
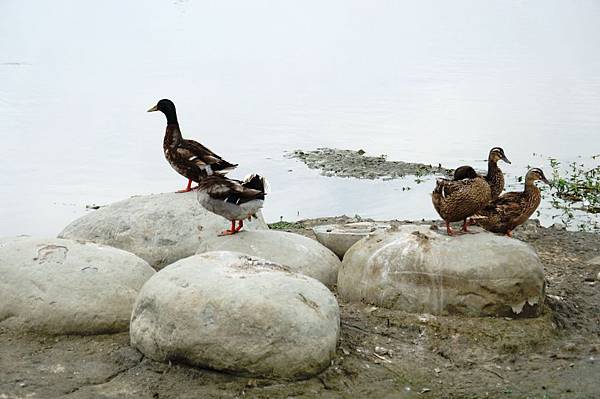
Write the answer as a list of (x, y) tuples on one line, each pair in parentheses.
[(229, 190), (195, 154), (507, 205)]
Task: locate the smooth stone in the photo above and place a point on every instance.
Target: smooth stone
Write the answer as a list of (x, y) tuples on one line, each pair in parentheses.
[(416, 269), (301, 254), (58, 286), (594, 261), (236, 313), (159, 228), (340, 237)]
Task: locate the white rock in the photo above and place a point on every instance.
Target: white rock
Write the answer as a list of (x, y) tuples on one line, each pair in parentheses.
[(61, 286), (299, 253), (340, 237), (229, 311), (159, 228), (418, 270)]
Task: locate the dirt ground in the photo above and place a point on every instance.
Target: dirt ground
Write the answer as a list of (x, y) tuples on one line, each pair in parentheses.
[(381, 353)]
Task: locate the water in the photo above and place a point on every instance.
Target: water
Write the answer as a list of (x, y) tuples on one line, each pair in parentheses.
[(429, 82)]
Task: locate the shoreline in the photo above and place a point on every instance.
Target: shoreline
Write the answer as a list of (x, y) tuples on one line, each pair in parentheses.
[(380, 351)]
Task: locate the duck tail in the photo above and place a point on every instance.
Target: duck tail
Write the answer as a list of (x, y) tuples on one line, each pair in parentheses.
[(256, 182)]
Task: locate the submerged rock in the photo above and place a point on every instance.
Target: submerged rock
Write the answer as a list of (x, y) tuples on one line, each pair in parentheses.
[(299, 253), (350, 163), (58, 286), (419, 270), (232, 312), (340, 237), (160, 228)]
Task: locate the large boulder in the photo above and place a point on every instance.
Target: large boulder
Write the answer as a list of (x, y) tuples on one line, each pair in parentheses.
[(416, 269), (340, 237), (159, 228), (301, 254), (58, 286), (233, 312)]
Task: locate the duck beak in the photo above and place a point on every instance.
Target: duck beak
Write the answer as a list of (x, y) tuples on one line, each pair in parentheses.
[(505, 159), (155, 108), (546, 181)]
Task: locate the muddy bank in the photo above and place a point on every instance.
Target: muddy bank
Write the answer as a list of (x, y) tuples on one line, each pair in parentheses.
[(381, 353), (350, 163)]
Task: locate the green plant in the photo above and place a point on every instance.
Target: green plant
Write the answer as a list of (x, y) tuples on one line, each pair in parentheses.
[(576, 189)]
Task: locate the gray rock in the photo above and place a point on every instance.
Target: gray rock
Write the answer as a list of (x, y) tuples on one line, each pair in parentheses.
[(415, 269), (299, 253), (159, 228), (594, 261), (58, 286), (340, 237), (232, 312)]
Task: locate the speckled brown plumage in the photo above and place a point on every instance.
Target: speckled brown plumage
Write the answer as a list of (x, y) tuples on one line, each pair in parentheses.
[(512, 209), (494, 177), (457, 200)]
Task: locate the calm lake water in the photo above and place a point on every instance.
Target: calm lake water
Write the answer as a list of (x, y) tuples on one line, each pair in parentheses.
[(428, 81)]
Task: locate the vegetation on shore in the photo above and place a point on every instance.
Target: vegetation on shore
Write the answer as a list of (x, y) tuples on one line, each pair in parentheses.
[(576, 190)]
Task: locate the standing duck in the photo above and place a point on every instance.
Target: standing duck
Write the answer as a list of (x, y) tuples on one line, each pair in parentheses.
[(456, 200), (512, 209), (189, 158), (233, 199), (494, 177)]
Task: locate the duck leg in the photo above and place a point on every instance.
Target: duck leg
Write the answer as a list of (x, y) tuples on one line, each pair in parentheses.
[(241, 224), (449, 229), (229, 232), (509, 233), (188, 188)]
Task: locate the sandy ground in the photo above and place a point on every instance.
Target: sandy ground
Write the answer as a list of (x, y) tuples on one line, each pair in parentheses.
[(381, 354)]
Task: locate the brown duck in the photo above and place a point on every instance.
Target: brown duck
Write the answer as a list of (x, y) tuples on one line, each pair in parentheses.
[(456, 200), (512, 209), (494, 177), (189, 158)]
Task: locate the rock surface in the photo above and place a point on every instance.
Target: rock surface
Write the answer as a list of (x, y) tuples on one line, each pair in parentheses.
[(301, 254), (419, 270), (58, 286), (229, 311), (340, 237), (159, 228)]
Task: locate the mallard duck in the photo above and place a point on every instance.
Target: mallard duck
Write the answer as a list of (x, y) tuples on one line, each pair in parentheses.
[(494, 177), (512, 209), (456, 200), (235, 200), (189, 158)]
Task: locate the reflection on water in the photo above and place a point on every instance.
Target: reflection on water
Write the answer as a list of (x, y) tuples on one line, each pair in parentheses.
[(429, 82)]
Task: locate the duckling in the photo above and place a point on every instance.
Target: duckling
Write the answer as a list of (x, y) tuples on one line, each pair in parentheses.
[(456, 200), (494, 176), (512, 209), (189, 158), (233, 199)]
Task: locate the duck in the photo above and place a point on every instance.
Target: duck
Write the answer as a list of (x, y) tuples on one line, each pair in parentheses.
[(188, 157), (494, 177), (456, 200), (512, 209), (234, 200)]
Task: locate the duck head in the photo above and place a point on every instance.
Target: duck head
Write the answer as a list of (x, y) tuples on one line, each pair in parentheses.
[(536, 174), (497, 154), (166, 107), (464, 172)]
